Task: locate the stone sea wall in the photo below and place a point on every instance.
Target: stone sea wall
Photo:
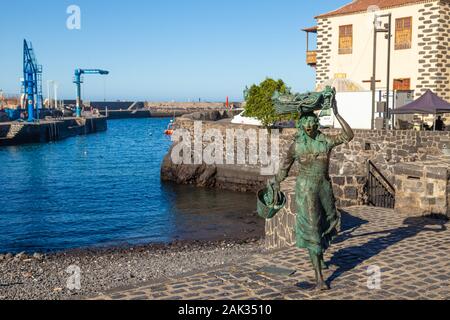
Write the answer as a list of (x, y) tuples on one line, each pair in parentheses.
[(17, 133), (170, 109), (237, 177), (186, 105), (347, 164)]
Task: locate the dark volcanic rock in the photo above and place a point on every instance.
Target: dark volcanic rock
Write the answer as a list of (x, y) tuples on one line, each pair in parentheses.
[(199, 175), (206, 176)]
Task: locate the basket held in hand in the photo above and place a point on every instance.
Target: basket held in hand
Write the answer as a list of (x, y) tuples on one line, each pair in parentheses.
[(269, 202)]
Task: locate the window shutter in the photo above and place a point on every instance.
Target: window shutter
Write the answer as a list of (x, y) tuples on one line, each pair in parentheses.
[(403, 33), (402, 84), (346, 39)]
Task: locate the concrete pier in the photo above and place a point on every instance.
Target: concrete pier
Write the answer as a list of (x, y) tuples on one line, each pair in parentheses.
[(17, 133)]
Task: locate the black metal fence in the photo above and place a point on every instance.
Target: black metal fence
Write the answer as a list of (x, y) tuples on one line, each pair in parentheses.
[(380, 191)]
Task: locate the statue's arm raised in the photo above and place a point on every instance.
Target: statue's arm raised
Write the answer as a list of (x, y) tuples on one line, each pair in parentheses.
[(285, 167)]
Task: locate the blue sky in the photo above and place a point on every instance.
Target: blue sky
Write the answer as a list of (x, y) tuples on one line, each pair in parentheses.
[(162, 49)]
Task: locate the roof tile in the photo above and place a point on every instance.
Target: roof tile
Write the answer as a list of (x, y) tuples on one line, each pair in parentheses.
[(357, 6)]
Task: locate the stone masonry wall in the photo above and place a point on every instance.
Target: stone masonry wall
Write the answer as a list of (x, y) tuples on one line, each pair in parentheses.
[(280, 231), (347, 164), (444, 56), (422, 188), (349, 190), (323, 50), (434, 55), (23, 133), (385, 149)]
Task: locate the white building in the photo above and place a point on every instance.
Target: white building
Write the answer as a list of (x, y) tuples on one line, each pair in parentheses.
[(420, 52)]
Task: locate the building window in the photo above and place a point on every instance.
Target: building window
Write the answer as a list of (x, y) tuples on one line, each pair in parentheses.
[(346, 39), (403, 33), (402, 84)]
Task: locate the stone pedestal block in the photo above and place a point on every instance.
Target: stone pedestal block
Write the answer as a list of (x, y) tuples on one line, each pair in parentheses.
[(280, 231)]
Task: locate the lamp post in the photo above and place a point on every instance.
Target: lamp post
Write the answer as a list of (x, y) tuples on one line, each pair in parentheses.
[(48, 93), (388, 30), (55, 91)]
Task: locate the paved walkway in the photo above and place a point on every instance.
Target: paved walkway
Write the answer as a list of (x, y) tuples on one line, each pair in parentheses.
[(412, 255)]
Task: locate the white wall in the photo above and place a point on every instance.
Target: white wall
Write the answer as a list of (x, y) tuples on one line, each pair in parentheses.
[(355, 108), (358, 65)]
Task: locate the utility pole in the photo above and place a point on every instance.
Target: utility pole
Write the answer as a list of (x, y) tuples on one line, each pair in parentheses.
[(374, 70), (55, 88), (388, 30), (388, 80), (52, 82), (48, 93)]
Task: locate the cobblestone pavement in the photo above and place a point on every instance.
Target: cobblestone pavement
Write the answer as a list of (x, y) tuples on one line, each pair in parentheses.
[(412, 254)]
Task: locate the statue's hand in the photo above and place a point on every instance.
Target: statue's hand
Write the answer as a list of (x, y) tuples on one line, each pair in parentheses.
[(276, 189), (275, 185)]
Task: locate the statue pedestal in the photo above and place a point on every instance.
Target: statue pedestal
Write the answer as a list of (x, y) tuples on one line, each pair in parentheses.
[(280, 231)]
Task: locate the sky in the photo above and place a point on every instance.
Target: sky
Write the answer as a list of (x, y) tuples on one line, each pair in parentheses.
[(161, 50)]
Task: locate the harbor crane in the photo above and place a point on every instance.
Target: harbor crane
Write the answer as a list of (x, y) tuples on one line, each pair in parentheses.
[(78, 81), (32, 82)]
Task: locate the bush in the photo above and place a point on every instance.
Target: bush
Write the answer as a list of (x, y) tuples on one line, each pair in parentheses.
[(259, 101)]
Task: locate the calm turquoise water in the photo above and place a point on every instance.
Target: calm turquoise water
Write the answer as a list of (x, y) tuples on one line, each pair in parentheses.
[(105, 190)]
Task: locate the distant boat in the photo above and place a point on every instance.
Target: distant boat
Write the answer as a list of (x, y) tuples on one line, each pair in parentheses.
[(169, 131), (242, 119)]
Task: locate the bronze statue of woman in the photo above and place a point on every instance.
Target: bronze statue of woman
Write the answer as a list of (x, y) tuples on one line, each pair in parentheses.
[(318, 220)]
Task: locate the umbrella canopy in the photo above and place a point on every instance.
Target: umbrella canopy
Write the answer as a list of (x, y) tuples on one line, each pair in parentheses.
[(429, 103)]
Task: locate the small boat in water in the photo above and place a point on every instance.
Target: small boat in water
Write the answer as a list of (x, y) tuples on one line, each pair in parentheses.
[(169, 131)]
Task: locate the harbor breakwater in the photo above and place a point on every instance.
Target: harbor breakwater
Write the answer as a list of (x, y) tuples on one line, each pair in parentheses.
[(139, 109), (169, 109), (16, 133), (348, 163)]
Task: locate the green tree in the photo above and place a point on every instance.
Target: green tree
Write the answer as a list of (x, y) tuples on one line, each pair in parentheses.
[(259, 102)]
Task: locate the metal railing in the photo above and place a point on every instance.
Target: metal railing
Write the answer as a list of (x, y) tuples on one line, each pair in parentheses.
[(381, 193)]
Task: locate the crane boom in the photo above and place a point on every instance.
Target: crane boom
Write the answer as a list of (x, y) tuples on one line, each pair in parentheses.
[(32, 82), (78, 81)]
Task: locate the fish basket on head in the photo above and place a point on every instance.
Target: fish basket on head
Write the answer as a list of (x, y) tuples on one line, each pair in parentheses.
[(304, 103), (269, 203)]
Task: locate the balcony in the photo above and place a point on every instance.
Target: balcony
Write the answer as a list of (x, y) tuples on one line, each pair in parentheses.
[(311, 55), (311, 58)]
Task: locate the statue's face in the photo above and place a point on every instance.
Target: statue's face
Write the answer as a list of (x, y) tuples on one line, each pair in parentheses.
[(310, 126)]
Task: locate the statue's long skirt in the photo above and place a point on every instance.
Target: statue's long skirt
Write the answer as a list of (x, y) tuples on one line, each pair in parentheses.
[(318, 220)]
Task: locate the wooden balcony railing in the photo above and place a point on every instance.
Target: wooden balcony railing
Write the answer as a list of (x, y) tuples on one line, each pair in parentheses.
[(311, 58)]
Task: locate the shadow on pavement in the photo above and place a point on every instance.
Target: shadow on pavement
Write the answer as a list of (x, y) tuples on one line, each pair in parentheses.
[(348, 258)]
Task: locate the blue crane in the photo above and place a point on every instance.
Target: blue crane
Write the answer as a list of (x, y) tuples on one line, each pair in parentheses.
[(32, 82), (78, 81)]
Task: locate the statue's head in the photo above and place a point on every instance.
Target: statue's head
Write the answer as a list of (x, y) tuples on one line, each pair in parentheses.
[(309, 123)]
